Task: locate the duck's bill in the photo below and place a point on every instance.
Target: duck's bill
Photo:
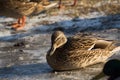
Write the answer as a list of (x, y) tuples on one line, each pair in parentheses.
[(51, 51)]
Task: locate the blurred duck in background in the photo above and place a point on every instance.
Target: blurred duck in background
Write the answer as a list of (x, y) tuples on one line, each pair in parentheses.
[(21, 8)]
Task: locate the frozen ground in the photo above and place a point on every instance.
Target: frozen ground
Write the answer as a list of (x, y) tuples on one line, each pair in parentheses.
[(22, 53)]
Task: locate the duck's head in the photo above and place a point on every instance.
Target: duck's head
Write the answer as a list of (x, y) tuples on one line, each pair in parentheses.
[(58, 39)]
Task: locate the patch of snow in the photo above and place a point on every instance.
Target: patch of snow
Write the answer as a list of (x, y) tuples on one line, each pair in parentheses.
[(5, 19), (92, 15)]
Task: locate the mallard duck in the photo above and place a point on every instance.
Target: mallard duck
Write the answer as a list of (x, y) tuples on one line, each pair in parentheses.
[(77, 51), (20, 9), (61, 6)]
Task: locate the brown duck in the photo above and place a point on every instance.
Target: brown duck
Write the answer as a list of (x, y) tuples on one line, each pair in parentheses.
[(20, 9), (77, 51)]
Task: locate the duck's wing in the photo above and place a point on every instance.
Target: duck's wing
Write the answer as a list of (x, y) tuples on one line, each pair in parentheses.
[(85, 58), (91, 42), (81, 43), (104, 44)]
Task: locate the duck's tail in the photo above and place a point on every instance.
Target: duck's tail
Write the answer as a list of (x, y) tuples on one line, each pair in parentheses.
[(116, 50), (115, 53)]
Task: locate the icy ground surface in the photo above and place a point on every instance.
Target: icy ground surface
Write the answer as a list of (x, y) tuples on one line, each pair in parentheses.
[(23, 53)]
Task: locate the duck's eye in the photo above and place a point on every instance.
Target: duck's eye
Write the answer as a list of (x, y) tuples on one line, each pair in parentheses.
[(16, 7)]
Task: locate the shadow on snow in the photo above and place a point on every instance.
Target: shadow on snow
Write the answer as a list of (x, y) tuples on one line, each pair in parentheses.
[(71, 26)]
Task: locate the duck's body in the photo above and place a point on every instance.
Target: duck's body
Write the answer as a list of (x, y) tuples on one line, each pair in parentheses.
[(77, 52), (19, 9)]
